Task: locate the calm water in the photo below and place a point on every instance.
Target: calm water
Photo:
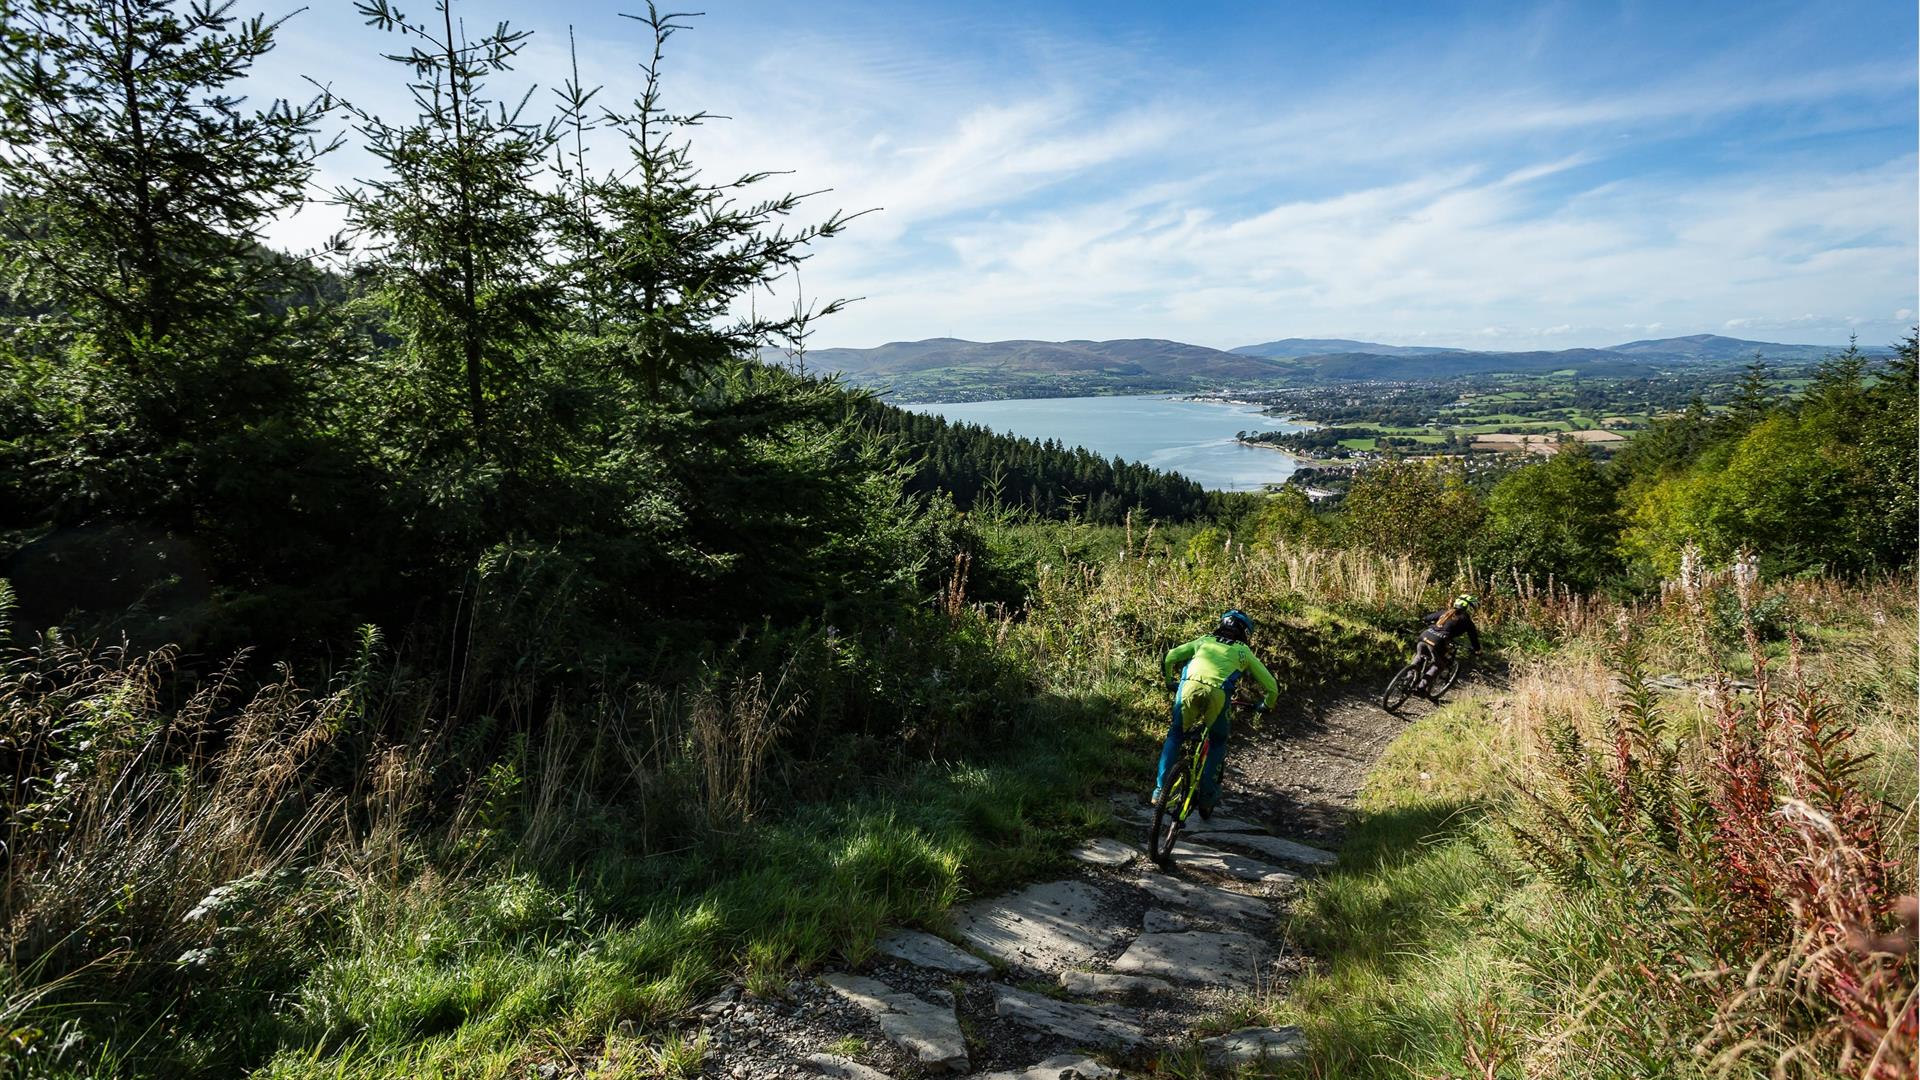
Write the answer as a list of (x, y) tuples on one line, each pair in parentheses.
[(1189, 437)]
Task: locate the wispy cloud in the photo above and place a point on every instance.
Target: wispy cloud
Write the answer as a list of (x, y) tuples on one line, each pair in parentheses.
[(1447, 183)]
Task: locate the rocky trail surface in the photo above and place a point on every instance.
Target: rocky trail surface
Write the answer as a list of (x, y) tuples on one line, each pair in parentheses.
[(1116, 969)]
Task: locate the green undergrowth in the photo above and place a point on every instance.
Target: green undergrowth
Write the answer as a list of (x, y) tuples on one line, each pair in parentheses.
[(475, 977), (1536, 880), (485, 974), (1414, 924)]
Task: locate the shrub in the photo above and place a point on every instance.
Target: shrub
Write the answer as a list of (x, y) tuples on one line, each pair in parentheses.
[(1733, 893)]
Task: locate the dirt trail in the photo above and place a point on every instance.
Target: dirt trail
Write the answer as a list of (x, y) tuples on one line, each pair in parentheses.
[(1299, 773), (1117, 969)]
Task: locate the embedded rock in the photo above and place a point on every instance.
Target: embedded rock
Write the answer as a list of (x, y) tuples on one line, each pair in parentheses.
[(1276, 848), (840, 1068), (1199, 826), (1108, 984), (1256, 1044), (1105, 851), (1207, 901), (1214, 861), (1156, 921), (1063, 1067), (1228, 959), (1048, 927), (927, 951), (1082, 1025), (929, 1032)]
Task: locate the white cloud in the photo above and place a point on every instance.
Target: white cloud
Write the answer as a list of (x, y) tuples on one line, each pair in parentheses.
[(1080, 201)]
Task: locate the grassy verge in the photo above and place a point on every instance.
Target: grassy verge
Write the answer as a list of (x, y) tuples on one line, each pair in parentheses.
[(481, 976), (1564, 878), (1414, 925)]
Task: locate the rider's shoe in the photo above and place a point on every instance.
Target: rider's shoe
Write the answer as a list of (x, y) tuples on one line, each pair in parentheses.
[(1206, 812)]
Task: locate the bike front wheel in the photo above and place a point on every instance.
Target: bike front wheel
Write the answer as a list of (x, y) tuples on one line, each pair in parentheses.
[(1400, 687), (1444, 681), (1169, 813)]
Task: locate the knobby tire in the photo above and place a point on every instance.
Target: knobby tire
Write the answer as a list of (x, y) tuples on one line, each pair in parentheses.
[(1400, 687), (1167, 818)]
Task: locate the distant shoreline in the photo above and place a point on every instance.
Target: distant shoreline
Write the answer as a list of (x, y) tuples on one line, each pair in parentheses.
[(1302, 459)]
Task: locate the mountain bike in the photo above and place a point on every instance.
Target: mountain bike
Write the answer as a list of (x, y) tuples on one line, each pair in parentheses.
[(1413, 679), (1180, 790)]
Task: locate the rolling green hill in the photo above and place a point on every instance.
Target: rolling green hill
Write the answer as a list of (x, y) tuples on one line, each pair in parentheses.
[(1288, 348), (950, 369), (953, 369)]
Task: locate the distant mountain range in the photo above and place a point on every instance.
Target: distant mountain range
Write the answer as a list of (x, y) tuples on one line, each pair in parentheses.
[(1715, 347), (951, 369), (1675, 350), (1288, 348)]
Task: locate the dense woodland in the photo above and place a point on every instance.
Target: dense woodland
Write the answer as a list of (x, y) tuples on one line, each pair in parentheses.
[(383, 625), (1819, 482), (980, 467)]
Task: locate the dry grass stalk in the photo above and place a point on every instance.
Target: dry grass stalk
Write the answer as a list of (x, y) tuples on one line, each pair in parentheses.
[(124, 818)]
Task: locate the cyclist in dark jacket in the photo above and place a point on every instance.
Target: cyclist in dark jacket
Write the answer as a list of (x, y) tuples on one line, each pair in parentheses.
[(1445, 625)]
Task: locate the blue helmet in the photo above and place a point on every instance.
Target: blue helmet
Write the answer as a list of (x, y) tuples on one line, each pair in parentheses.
[(1235, 625)]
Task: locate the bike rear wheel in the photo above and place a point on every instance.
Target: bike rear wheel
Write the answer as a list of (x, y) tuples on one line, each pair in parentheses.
[(1168, 813), (1400, 687)]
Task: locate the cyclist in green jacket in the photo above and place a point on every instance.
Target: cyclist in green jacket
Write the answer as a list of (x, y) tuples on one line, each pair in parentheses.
[(1209, 668)]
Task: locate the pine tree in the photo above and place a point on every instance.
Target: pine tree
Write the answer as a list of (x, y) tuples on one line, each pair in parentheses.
[(137, 186), (168, 371), (1753, 398), (675, 251), (457, 230)]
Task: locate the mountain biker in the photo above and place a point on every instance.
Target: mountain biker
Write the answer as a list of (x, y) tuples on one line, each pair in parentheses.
[(1445, 625), (1210, 667)]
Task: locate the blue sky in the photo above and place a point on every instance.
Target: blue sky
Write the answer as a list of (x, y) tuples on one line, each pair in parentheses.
[(1494, 175)]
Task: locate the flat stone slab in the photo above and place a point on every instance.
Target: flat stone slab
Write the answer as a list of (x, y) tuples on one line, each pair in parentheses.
[(1048, 927), (1083, 1025), (1199, 826), (1274, 847), (1239, 867), (1257, 1044), (1107, 984), (1105, 851), (1061, 1067), (1156, 921), (929, 1032), (843, 1068), (1211, 901), (925, 950), (1196, 956)]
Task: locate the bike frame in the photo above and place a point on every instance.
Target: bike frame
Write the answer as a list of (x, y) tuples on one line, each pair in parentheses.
[(1199, 762), (1196, 768)]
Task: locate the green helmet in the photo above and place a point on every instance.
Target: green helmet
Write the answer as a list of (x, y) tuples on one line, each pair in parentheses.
[(1466, 600)]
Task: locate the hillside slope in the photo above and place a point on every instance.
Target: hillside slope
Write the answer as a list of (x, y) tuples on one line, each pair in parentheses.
[(1289, 348), (954, 369)]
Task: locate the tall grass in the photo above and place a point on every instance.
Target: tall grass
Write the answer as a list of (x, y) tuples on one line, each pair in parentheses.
[(155, 852), (1586, 876), (349, 881), (371, 877)]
